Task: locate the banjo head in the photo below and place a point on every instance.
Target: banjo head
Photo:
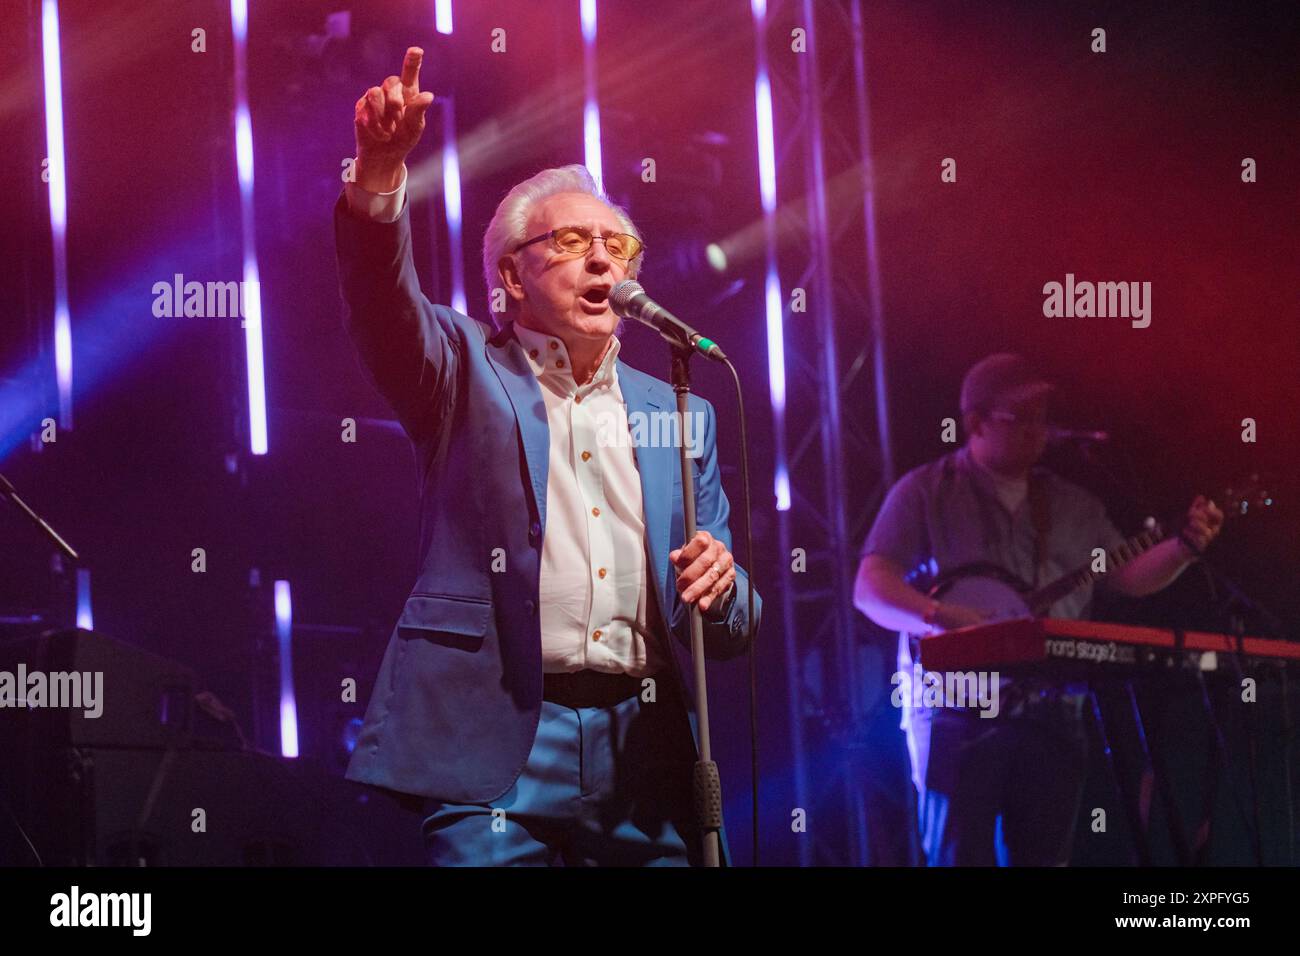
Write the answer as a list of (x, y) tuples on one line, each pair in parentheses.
[(1001, 600)]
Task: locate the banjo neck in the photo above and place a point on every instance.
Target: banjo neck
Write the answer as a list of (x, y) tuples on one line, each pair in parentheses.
[(1041, 600), (983, 580), (1247, 495)]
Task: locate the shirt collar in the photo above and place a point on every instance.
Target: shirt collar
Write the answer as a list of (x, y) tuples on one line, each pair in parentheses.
[(549, 360), (987, 481)]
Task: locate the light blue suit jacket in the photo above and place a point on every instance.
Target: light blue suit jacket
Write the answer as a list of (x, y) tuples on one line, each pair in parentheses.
[(456, 704)]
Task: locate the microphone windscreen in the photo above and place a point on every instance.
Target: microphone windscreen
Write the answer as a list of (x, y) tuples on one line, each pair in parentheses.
[(620, 297)]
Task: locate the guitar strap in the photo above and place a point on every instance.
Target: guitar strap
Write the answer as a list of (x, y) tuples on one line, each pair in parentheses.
[(1040, 511)]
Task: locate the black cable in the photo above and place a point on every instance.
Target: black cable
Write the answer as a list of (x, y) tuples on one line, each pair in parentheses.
[(18, 823), (1286, 766), (211, 705), (749, 570)]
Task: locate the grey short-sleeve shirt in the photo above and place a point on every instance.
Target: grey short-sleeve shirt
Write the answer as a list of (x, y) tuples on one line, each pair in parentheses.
[(947, 513)]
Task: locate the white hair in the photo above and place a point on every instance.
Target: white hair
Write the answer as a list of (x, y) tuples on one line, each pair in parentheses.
[(509, 222)]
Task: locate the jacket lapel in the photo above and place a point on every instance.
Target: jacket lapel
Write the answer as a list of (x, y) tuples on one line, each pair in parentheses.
[(517, 377), (655, 464)]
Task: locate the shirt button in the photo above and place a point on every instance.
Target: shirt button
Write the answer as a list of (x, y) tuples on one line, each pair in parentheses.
[(595, 512), (559, 363), (595, 635), (601, 572), (577, 399), (529, 607), (554, 344), (534, 530), (532, 353), (586, 456)]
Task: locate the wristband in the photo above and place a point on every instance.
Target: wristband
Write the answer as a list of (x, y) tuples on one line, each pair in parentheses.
[(1186, 543), (931, 612)]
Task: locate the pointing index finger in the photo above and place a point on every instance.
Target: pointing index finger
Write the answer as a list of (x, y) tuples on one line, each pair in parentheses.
[(411, 68)]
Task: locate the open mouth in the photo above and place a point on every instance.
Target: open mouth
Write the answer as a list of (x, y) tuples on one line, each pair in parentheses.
[(595, 296)]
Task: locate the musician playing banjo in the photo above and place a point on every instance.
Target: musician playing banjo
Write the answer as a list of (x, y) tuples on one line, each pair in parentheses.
[(1004, 790)]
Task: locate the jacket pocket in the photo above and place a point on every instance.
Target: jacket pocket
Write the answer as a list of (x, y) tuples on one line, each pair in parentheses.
[(677, 482), (446, 613)]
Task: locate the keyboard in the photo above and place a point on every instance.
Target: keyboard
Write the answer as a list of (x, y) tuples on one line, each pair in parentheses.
[(1050, 643)]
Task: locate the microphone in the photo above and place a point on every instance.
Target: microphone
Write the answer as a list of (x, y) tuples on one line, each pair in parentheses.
[(1076, 434), (629, 301)]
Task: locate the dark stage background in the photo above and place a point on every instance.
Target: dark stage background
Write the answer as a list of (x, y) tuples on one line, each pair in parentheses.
[(1115, 166)]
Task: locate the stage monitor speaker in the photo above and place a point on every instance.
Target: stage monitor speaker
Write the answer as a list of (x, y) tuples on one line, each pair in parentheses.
[(146, 701)]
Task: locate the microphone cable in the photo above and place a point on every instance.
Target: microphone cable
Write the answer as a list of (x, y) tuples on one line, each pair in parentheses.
[(749, 571)]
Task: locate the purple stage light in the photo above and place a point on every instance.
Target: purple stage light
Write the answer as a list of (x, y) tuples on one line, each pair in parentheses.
[(288, 703), (251, 293), (58, 183), (772, 287), (591, 109), (451, 200), (85, 618), (442, 16)]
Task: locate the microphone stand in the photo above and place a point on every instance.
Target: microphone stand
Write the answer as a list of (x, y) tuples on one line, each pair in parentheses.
[(705, 783), (684, 342), (1236, 621), (1236, 624), (7, 490)]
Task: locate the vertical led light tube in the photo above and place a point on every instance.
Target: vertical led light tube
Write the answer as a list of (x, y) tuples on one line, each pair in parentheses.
[(288, 703), (250, 294), (591, 107), (56, 169), (451, 199), (442, 16), (85, 617), (772, 297)]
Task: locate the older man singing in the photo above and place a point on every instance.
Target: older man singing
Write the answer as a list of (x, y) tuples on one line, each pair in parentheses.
[(530, 693)]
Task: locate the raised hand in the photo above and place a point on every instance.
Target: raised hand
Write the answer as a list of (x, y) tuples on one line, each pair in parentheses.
[(388, 122)]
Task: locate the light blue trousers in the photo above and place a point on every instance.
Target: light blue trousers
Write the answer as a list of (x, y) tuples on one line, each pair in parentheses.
[(603, 786)]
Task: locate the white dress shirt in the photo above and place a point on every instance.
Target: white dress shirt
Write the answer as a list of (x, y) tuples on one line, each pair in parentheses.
[(592, 585), (593, 576)]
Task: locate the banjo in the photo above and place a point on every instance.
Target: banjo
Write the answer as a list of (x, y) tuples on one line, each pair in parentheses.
[(989, 587)]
